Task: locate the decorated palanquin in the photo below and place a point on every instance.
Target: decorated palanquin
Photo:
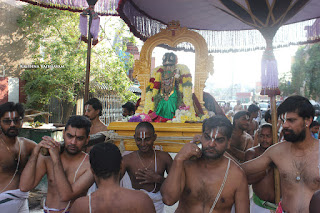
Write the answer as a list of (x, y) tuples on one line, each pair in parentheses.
[(167, 97)]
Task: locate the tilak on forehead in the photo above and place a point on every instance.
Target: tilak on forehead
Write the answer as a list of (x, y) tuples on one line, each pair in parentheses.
[(87, 107), (215, 136), (12, 114), (142, 134), (284, 117)]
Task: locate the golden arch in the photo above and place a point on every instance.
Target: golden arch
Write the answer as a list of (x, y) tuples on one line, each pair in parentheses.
[(172, 36)]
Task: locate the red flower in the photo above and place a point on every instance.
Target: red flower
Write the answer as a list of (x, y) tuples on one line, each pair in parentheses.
[(152, 99), (152, 80), (156, 85), (160, 70)]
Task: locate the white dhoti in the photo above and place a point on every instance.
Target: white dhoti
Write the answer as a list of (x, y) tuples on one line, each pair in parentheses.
[(14, 201), (157, 201)]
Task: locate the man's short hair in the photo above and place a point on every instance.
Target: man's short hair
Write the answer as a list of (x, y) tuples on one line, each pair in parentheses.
[(218, 121), (146, 125), (298, 104), (96, 104), (105, 160), (314, 123), (253, 108), (265, 126), (79, 122), (130, 106), (238, 115), (10, 107)]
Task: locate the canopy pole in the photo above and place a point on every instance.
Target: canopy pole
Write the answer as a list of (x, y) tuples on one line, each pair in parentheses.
[(86, 88), (274, 120)]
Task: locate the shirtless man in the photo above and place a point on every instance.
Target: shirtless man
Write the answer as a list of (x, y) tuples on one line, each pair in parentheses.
[(237, 107), (253, 124), (105, 160), (297, 158), (14, 154), (146, 166), (93, 109), (128, 109), (205, 180), (241, 141), (263, 182), (69, 175)]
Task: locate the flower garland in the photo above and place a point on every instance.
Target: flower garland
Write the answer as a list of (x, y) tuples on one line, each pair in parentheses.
[(184, 90)]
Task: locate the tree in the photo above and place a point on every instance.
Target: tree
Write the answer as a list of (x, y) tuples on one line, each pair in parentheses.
[(54, 40), (305, 73)]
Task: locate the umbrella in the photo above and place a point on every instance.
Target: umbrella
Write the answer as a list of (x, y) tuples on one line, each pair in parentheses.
[(223, 23)]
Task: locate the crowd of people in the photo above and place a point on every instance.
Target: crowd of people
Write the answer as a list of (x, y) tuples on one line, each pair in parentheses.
[(213, 177)]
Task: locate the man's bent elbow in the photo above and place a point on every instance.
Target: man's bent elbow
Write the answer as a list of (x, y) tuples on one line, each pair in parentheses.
[(168, 200)]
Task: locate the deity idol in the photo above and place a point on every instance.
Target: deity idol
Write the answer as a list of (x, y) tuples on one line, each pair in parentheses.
[(169, 89)]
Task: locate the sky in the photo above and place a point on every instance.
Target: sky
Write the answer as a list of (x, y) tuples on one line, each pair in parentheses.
[(234, 68)]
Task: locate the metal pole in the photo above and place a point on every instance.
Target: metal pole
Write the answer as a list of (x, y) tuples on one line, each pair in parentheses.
[(274, 120), (86, 88)]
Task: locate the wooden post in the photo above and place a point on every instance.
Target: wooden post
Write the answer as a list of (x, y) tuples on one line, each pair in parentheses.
[(274, 120), (87, 82)]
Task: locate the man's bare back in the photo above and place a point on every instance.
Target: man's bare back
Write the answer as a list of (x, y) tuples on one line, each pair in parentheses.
[(201, 188), (115, 200), (98, 127)]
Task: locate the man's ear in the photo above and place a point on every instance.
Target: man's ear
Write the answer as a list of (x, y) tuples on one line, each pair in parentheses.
[(308, 121), (87, 141), (228, 143), (155, 136)]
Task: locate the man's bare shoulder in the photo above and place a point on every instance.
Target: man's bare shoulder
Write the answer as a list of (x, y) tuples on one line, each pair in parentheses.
[(81, 205), (236, 172), (27, 144), (164, 155)]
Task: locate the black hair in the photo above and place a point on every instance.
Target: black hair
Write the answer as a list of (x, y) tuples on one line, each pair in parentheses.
[(96, 104), (218, 121), (131, 107), (298, 104), (79, 122), (253, 108), (105, 160), (10, 107), (146, 125), (314, 123), (238, 115), (265, 125), (267, 116)]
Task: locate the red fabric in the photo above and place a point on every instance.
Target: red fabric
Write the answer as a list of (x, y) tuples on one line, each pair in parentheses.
[(152, 80), (156, 85), (279, 209)]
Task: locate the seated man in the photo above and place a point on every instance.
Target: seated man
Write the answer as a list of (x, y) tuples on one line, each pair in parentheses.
[(211, 181), (146, 166), (105, 160), (262, 183), (68, 170)]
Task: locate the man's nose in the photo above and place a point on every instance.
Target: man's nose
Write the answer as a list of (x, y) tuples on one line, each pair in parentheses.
[(73, 141), (212, 143)]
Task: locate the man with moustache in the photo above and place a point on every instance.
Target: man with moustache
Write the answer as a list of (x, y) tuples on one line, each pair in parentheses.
[(241, 141), (205, 180), (68, 169), (146, 166), (14, 154), (263, 182), (297, 158), (93, 109)]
